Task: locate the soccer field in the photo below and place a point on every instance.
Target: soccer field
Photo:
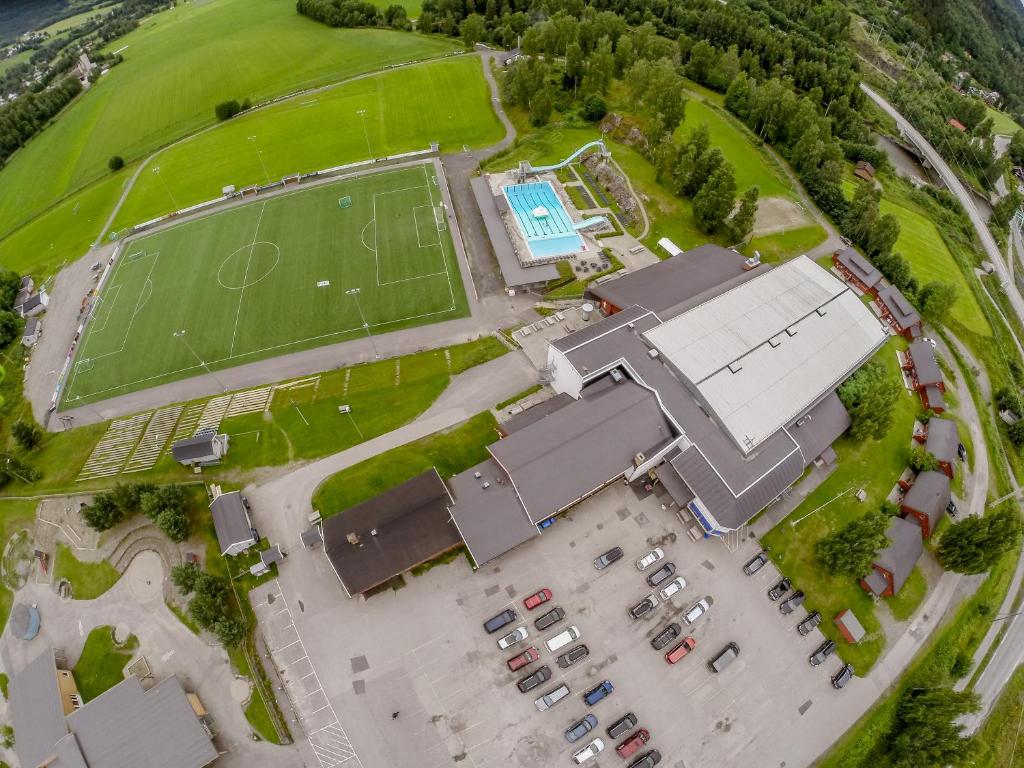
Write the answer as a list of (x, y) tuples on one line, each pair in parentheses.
[(271, 277)]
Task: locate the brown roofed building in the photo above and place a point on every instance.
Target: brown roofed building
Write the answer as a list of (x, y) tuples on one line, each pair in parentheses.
[(864, 170), (898, 312), (857, 270), (926, 501), (892, 566)]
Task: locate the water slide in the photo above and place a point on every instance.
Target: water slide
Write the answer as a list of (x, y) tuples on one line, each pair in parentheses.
[(593, 221), (542, 168)]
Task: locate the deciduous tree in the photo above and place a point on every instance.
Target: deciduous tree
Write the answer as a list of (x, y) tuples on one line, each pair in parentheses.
[(716, 199), (974, 544), (870, 396), (849, 550)]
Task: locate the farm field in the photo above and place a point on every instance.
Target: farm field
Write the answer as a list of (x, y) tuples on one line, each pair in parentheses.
[(176, 68), (271, 277), (444, 101)]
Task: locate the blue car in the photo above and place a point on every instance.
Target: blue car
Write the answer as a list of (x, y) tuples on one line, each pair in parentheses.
[(581, 729), (599, 692)]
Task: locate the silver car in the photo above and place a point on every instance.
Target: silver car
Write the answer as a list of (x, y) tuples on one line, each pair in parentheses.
[(517, 635), (549, 700)]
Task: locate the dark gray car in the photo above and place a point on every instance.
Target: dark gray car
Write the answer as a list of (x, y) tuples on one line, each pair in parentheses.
[(666, 636), (609, 557), (530, 682), (756, 563), (666, 572), (549, 619), (843, 676), (812, 620), (792, 602), (622, 726), (573, 655), (504, 618), (822, 652)]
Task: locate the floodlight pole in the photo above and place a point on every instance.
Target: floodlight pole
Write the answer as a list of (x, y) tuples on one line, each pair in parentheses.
[(259, 153), (181, 335), (366, 133), (166, 188), (354, 293)]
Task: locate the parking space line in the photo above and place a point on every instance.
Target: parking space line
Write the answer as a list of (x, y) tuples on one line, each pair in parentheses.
[(284, 647), (293, 663)]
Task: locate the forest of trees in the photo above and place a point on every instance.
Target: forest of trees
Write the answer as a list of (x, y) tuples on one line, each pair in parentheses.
[(353, 13)]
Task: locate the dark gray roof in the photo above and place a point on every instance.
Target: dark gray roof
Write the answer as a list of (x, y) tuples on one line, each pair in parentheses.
[(860, 267), (849, 621), (127, 727), (36, 710), (900, 308), (231, 520), (676, 280), (193, 448), (943, 439), (67, 754), (491, 521), (31, 324), (581, 447), (925, 364), (512, 270), (904, 550), (272, 555), (876, 581), (402, 527), (935, 397), (825, 422), (535, 413), (929, 495), (33, 301), (599, 328)]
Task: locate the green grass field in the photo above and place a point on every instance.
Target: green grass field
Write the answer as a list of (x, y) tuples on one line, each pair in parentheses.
[(446, 101), (88, 580), (271, 277), (101, 665), (1002, 122), (177, 67), (785, 245)]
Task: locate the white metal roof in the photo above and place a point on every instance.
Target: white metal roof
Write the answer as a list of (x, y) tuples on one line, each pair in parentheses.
[(670, 248), (765, 351)]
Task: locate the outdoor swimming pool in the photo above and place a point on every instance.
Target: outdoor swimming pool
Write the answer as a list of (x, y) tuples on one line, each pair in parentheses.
[(543, 220)]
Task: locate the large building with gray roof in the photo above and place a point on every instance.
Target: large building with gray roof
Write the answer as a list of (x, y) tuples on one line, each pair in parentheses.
[(724, 396)]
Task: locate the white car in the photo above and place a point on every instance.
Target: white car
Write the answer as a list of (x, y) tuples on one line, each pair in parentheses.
[(698, 609), (650, 559), (674, 586), (517, 635), (563, 638), (591, 750)]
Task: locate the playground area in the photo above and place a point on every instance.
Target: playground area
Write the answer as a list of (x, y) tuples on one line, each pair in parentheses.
[(358, 257)]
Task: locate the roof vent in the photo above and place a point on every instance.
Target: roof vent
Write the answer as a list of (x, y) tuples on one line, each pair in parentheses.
[(652, 353), (616, 375)]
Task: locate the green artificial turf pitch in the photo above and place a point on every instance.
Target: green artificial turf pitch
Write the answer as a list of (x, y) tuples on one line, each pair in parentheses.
[(271, 277)]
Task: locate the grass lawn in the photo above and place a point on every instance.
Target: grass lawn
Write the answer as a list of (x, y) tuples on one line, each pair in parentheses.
[(451, 452), (445, 101), (1002, 122), (101, 665), (177, 66), (872, 465), (88, 580), (518, 396), (15, 516), (910, 596), (1001, 733), (780, 246), (271, 277)]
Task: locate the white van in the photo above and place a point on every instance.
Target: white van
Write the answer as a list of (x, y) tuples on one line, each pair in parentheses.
[(563, 638)]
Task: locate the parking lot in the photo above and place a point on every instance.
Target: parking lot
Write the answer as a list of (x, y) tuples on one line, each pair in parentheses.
[(415, 680)]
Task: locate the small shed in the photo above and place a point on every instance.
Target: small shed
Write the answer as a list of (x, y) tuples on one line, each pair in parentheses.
[(864, 170), (24, 621), (849, 626), (201, 450), (267, 558)]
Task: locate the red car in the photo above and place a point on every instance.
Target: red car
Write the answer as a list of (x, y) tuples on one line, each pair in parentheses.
[(528, 656), (634, 743), (680, 650), (537, 598)]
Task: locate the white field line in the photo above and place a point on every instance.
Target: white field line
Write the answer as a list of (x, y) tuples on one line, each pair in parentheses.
[(245, 277)]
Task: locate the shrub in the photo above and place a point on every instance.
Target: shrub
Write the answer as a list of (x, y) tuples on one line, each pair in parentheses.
[(116, 163), (227, 109), (26, 434)]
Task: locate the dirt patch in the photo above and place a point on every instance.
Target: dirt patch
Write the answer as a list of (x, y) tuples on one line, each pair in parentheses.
[(777, 214), (17, 560)]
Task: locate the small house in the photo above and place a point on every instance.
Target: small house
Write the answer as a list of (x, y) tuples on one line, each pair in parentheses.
[(926, 501), (235, 533), (201, 450), (898, 312), (892, 566), (35, 304), (849, 626), (864, 170), (933, 399), (941, 439), (923, 366), (267, 558), (857, 270), (30, 335)]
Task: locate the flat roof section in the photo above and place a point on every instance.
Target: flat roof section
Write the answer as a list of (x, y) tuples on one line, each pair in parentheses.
[(401, 528), (763, 352), (490, 520), (515, 274)]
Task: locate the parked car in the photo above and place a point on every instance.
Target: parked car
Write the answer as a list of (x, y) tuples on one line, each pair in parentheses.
[(580, 728), (633, 744), (644, 607), (600, 691), (504, 618), (823, 651), (517, 635), (673, 587), (792, 602), (650, 559), (698, 609), (961, 451), (647, 760), (563, 638), (548, 700), (843, 676), (725, 657), (528, 656), (756, 563), (537, 598), (622, 726), (609, 557), (666, 636), (952, 508), (667, 571), (812, 620), (593, 749), (573, 655), (677, 653), (779, 589), (530, 682), (549, 619)]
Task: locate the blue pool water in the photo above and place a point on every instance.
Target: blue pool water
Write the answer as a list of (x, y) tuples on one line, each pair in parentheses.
[(549, 235)]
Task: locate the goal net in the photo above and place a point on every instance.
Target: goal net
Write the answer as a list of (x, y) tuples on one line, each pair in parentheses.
[(439, 218)]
